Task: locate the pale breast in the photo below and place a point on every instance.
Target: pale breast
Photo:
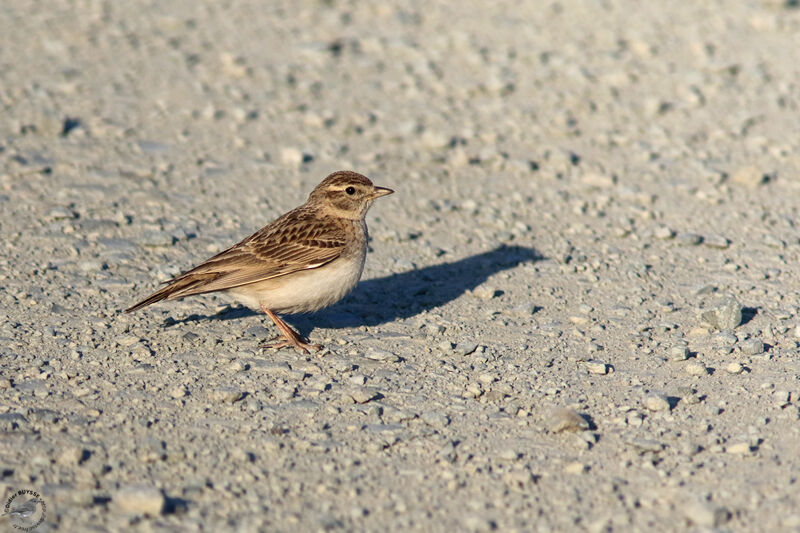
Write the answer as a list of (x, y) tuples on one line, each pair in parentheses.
[(307, 290)]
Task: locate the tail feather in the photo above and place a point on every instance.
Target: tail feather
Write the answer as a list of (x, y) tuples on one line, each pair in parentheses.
[(177, 288)]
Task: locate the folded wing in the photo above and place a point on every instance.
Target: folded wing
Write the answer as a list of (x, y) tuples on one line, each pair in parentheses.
[(299, 240)]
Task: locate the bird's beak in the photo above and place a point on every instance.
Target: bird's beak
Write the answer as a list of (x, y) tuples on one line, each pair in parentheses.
[(377, 192)]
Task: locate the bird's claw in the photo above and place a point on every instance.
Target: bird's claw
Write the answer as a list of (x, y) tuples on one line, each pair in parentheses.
[(279, 342)]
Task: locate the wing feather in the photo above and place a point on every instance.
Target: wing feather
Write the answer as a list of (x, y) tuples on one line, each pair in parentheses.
[(299, 240)]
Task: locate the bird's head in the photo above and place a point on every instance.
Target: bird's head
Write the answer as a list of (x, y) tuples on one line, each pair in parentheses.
[(346, 194)]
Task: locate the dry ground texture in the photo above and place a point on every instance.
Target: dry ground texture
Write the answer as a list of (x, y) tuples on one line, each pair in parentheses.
[(580, 311)]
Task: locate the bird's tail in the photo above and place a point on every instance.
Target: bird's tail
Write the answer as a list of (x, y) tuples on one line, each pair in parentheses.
[(176, 288)]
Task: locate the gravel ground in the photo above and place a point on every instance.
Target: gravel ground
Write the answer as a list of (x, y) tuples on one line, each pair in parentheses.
[(580, 311)]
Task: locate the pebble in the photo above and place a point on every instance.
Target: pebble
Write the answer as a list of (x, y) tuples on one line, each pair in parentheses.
[(363, 394), (663, 232), (523, 310), (71, 456), (596, 179), (445, 346), (575, 468), (734, 368), (657, 402), (724, 340), (485, 292), (227, 394), (716, 241), (752, 347), (706, 514), (725, 315), (740, 448), (782, 398), (435, 419), (434, 139), (155, 239), (465, 348), (679, 353), (152, 147), (749, 176), (139, 499), (595, 366), (689, 239), (291, 157), (690, 448), (647, 446), (382, 355), (774, 242), (566, 419), (60, 213), (696, 369), (179, 392)]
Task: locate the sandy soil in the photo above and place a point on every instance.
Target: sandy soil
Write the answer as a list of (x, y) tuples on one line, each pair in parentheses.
[(579, 312)]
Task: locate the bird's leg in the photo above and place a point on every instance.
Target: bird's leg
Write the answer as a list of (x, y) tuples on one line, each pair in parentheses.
[(290, 336)]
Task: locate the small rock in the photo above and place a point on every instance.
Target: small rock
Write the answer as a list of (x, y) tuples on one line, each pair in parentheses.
[(523, 310), (749, 176), (679, 353), (433, 139), (752, 347), (696, 369), (485, 292), (60, 213), (741, 448), (596, 179), (227, 394), (774, 242), (382, 355), (156, 239), (706, 514), (690, 448), (127, 340), (716, 241), (663, 232), (465, 348), (291, 157), (363, 394), (595, 366), (139, 500), (657, 402), (435, 419), (566, 419), (445, 346), (71, 456), (575, 468), (734, 368), (782, 398), (152, 147), (689, 239), (357, 379), (724, 340), (647, 446), (178, 392), (725, 315)]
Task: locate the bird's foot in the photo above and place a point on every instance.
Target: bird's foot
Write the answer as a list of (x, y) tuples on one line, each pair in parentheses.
[(298, 344)]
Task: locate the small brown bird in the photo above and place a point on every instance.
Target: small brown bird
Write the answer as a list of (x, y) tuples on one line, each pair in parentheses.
[(305, 260)]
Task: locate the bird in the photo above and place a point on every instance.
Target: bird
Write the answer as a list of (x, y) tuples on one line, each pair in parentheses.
[(24, 510), (303, 261)]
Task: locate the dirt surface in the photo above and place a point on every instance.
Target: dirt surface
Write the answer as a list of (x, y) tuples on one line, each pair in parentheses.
[(579, 310)]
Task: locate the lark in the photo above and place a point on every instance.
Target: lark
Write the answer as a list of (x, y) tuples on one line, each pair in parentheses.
[(303, 261)]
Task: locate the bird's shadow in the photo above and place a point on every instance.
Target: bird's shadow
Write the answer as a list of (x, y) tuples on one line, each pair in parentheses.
[(398, 296)]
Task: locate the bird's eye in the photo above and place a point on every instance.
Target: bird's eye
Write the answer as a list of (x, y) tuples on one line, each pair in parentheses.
[(350, 190)]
